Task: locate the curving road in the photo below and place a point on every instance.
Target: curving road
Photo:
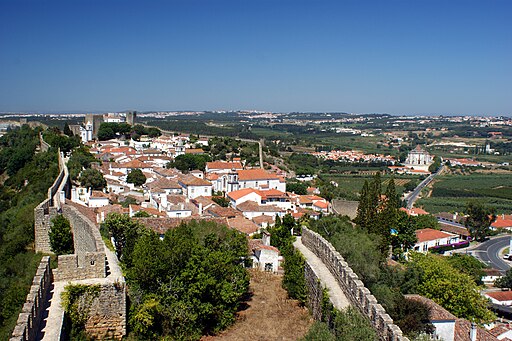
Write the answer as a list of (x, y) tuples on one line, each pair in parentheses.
[(411, 198), (488, 252)]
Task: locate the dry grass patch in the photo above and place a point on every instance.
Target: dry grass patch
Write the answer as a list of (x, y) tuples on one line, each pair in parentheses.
[(270, 314)]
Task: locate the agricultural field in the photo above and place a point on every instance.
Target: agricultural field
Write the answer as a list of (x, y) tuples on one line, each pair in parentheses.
[(350, 185), (450, 193)]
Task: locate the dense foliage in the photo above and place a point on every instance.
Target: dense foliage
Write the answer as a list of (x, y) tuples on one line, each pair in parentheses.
[(30, 176), (479, 219), (92, 178), (282, 238), (56, 139), (455, 291), (61, 238), (188, 284), (136, 177), (80, 159), (449, 281), (189, 162), (110, 130)]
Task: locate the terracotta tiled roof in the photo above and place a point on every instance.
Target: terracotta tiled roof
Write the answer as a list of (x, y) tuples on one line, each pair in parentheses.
[(461, 231), (194, 151), (223, 165), (98, 194), (243, 225), (256, 174), (503, 221), (235, 195), (190, 180), (424, 235), (436, 312), (321, 204), (257, 244), (226, 212), (135, 164), (463, 332), (164, 183), (251, 206), (500, 295), (263, 219)]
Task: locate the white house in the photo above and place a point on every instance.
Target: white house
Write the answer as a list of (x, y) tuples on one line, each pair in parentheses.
[(260, 179), (97, 199), (251, 210), (264, 256), (194, 187), (428, 238)]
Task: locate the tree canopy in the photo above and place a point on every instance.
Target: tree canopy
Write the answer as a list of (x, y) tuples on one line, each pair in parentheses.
[(189, 162), (136, 177), (188, 284), (61, 238), (479, 219), (92, 178)]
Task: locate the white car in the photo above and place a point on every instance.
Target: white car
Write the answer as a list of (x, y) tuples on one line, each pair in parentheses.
[(506, 256)]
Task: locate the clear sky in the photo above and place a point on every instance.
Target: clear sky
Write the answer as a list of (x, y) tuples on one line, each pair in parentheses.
[(386, 56)]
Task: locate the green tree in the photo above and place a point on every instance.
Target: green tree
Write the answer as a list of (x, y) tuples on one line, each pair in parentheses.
[(405, 236), (453, 290), (92, 178), (67, 130), (363, 209), (125, 232), (505, 281), (469, 265), (188, 162), (479, 219), (221, 201), (136, 177), (61, 238), (297, 188)]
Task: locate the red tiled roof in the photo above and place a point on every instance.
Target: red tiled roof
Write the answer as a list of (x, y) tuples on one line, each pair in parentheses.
[(243, 225), (257, 244), (436, 312), (461, 231), (256, 174), (500, 295), (424, 235), (235, 195), (251, 206), (190, 180), (223, 165)]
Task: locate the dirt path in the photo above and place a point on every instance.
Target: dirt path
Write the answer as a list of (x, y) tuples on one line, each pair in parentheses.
[(270, 315)]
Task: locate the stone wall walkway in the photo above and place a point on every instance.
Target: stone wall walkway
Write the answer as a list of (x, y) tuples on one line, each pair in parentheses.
[(338, 298), (51, 325)]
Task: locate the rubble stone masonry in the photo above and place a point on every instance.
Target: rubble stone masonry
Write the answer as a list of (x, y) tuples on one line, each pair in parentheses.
[(32, 312)]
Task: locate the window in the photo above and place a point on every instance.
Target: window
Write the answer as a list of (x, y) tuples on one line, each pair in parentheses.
[(268, 266), (425, 247)]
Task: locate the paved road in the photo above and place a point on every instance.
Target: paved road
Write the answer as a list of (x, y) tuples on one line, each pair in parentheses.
[(488, 252), (338, 298), (411, 198)]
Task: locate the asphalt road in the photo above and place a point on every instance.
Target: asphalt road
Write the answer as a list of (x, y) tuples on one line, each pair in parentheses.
[(488, 252), (414, 195)]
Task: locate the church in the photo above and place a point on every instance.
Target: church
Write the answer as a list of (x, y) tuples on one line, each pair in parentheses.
[(418, 159)]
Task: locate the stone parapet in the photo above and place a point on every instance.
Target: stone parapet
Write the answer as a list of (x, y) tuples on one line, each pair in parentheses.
[(32, 312), (107, 316), (353, 288)]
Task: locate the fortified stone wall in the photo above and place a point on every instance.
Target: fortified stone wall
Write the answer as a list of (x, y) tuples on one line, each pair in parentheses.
[(47, 210), (88, 261), (31, 314), (107, 317), (353, 288), (44, 145)]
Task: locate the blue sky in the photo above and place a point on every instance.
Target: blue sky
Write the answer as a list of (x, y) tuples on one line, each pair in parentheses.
[(387, 56)]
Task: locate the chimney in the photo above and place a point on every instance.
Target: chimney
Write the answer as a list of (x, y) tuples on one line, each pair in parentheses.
[(265, 238), (200, 209), (473, 331), (163, 202)]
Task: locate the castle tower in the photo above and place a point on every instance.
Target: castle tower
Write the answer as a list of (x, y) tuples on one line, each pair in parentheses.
[(232, 181)]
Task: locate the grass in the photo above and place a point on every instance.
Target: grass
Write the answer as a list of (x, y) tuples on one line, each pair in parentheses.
[(352, 184), (451, 192)]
